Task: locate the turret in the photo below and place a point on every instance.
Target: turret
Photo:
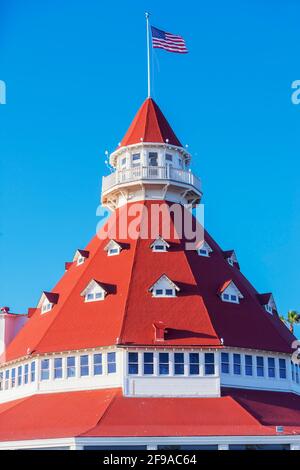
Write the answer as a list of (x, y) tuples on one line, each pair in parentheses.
[(150, 163)]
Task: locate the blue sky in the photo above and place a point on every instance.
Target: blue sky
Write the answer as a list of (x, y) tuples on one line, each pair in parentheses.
[(76, 74)]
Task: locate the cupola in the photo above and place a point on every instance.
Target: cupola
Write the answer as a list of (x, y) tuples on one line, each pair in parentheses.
[(150, 163)]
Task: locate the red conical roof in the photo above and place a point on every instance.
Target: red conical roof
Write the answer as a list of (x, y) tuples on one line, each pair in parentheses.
[(196, 317), (150, 125)]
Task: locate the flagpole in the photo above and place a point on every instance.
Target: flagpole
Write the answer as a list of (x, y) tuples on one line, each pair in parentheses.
[(148, 54)]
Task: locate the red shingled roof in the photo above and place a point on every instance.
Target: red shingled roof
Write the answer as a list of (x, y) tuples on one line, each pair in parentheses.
[(107, 413), (150, 125), (196, 317)]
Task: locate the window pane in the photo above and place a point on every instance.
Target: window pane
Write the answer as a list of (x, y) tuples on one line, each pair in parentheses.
[(237, 364), (248, 365), (282, 368), (260, 366), (111, 363), (97, 364), (33, 372), (133, 366), (163, 363), (84, 365), (71, 370), (26, 372), (148, 363), (13, 377), (20, 375), (271, 367), (58, 368), (45, 369), (225, 363), (209, 363), (179, 364)]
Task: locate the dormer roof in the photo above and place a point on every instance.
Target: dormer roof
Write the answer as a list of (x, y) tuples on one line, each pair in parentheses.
[(162, 278)]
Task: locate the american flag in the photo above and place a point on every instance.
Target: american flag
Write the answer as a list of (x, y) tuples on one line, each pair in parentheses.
[(167, 41)]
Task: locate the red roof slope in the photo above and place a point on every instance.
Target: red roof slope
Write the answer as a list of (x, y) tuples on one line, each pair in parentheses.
[(196, 317), (269, 408), (107, 413), (150, 125)]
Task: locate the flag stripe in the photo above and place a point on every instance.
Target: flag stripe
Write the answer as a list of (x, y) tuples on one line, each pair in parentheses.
[(158, 41)]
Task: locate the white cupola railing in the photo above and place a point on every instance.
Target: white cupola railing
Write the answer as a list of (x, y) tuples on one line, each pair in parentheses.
[(153, 173)]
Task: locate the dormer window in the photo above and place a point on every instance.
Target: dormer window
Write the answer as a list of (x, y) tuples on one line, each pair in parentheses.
[(47, 301), (267, 301), (46, 307), (160, 245), (164, 287), (80, 256), (169, 158), (269, 308), (113, 248), (93, 292), (123, 162), (230, 293), (231, 258), (204, 249)]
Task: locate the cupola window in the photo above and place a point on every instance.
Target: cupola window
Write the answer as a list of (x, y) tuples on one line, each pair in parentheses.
[(136, 159), (153, 157), (93, 292), (169, 158), (164, 287)]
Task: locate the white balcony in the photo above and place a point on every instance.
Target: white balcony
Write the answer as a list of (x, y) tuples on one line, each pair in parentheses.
[(150, 173)]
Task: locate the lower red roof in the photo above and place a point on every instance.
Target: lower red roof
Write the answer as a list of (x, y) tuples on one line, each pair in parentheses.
[(107, 413)]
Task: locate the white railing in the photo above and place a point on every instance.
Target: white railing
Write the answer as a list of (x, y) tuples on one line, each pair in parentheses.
[(150, 173)]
